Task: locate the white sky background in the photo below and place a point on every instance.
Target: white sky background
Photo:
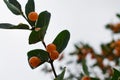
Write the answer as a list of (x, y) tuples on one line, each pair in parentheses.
[(85, 19)]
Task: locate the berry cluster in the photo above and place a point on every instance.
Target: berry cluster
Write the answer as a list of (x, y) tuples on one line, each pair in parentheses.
[(53, 53), (51, 48)]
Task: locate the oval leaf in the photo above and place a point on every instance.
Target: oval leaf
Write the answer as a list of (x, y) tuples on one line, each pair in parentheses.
[(11, 26), (12, 8), (37, 36), (43, 19), (43, 55), (42, 22), (20, 26), (85, 68), (34, 37), (6, 25), (16, 4), (30, 6), (61, 40)]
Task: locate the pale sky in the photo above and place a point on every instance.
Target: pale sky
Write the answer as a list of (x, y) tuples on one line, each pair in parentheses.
[(85, 19)]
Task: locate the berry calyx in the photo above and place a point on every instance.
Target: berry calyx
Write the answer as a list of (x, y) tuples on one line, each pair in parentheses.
[(34, 61), (32, 16), (54, 55), (51, 47), (37, 29)]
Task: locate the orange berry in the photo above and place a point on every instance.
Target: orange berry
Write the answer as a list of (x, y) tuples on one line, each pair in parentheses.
[(33, 16), (117, 43), (54, 55), (51, 47), (85, 78), (117, 52), (37, 29), (34, 61)]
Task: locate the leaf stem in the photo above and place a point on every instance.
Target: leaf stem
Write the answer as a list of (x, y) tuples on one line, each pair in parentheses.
[(27, 20), (43, 43), (51, 61)]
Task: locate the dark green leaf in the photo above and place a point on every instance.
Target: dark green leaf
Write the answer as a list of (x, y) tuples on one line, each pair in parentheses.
[(61, 40), (6, 25), (43, 55), (11, 26), (116, 75), (42, 23), (85, 68), (34, 37), (37, 36), (43, 19), (16, 4), (20, 26), (30, 7), (61, 76), (12, 8)]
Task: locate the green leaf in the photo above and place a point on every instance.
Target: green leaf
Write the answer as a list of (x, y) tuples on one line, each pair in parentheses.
[(43, 55), (85, 68), (11, 26), (6, 25), (29, 7), (61, 40), (37, 36), (34, 37), (21, 26), (61, 76), (16, 4), (42, 23), (43, 19), (116, 75), (12, 8)]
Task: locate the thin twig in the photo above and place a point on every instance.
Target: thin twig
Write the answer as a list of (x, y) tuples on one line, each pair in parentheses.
[(51, 61), (27, 20)]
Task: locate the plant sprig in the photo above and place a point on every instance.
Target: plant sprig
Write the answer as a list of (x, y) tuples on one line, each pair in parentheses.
[(38, 30)]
